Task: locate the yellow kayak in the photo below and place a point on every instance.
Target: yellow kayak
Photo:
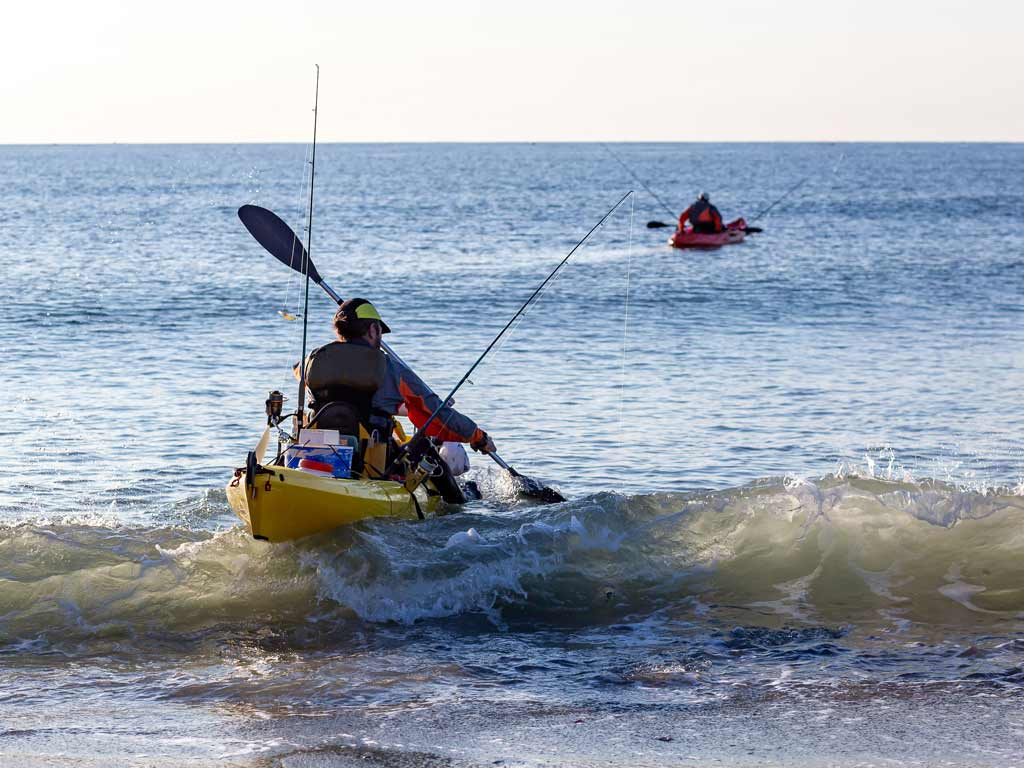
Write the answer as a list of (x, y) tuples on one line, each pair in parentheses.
[(280, 504)]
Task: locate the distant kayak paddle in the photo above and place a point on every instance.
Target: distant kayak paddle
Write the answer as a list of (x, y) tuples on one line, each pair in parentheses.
[(659, 224)]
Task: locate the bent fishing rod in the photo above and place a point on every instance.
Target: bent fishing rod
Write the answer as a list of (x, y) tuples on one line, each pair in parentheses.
[(421, 431)]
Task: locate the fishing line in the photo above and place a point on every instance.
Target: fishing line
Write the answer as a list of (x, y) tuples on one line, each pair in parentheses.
[(625, 316), (794, 188), (783, 196), (293, 281), (418, 436), (515, 326), (300, 409), (638, 180)]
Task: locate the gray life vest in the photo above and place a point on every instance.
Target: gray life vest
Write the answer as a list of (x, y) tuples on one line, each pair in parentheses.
[(343, 377)]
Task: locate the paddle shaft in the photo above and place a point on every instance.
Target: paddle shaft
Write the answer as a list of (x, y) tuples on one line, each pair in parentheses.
[(659, 224), (391, 353), (501, 463)]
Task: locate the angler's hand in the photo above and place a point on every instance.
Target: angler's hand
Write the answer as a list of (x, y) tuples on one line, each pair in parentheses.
[(483, 443)]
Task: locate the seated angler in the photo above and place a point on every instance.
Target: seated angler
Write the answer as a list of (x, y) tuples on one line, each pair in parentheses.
[(704, 217), (354, 384)]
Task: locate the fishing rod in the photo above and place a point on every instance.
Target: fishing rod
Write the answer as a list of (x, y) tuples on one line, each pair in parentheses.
[(797, 186), (637, 179), (421, 431), (283, 244), (651, 192), (307, 263), (783, 196)]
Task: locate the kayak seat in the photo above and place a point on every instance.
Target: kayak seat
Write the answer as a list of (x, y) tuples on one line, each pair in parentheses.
[(340, 415)]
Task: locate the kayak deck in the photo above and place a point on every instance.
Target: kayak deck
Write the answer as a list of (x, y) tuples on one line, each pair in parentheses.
[(284, 504), (734, 232)]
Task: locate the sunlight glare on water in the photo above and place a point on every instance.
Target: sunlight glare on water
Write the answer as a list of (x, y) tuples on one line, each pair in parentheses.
[(794, 466)]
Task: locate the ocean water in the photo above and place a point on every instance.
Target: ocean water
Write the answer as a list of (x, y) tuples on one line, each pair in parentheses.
[(795, 467)]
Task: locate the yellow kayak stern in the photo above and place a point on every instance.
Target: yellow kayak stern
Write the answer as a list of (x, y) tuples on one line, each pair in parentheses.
[(284, 504)]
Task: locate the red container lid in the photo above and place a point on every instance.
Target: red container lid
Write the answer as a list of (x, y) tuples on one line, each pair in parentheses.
[(318, 466)]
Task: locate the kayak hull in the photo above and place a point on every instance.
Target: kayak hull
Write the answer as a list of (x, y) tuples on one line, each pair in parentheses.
[(285, 504), (735, 232)]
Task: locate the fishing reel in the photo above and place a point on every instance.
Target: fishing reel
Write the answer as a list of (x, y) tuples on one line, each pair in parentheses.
[(418, 471), (274, 407), (418, 462)]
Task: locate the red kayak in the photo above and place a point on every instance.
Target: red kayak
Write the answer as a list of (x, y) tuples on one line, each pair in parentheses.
[(734, 232)]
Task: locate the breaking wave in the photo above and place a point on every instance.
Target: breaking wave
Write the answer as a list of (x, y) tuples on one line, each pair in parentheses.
[(839, 551)]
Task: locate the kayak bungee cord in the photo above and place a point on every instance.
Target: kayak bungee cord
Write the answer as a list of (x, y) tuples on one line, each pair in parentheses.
[(418, 439), (306, 264)]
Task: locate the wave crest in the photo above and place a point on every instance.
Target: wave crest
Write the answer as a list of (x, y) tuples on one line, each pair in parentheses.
[(842, 550)]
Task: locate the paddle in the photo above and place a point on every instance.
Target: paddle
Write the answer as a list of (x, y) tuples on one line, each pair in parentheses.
[(284, 245), (527, 486), (281, 242), (658, 224)]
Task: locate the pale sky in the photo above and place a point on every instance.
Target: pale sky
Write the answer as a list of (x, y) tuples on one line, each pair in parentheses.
[(453, 70)]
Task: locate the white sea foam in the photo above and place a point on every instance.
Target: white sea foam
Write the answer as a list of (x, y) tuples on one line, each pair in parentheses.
[(805, 550)]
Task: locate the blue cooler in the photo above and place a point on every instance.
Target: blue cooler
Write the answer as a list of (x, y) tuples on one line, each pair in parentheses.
[(324, 460)]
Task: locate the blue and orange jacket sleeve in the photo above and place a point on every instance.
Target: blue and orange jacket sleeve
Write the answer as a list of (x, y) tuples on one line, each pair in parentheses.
[(420, 401), (684, 216)]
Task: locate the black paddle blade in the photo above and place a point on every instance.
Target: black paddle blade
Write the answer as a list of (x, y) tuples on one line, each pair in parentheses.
[(278, 238), (752, 230), (532, 489), (658, 224)]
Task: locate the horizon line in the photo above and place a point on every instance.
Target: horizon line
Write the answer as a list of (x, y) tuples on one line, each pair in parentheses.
[(504, 141)]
